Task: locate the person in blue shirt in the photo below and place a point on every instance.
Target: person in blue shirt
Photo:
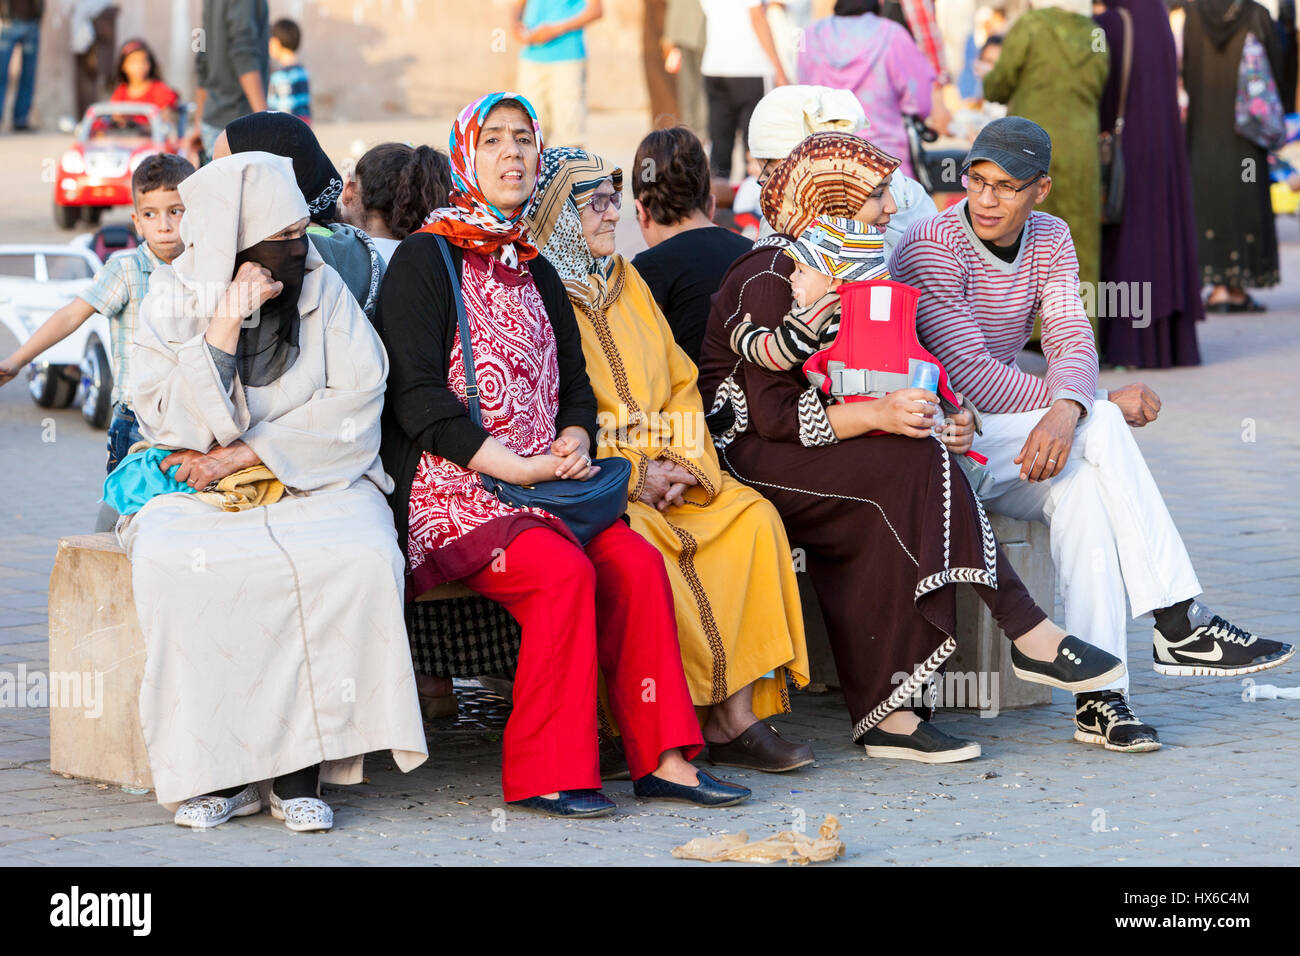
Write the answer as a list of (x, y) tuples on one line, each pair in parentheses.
[(553, 63), (288, 89)]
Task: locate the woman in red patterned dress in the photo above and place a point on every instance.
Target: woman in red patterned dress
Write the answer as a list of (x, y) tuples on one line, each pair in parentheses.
[(609, 605)]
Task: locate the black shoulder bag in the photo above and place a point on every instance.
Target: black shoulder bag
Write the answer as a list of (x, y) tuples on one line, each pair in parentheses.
[(1110, 145)]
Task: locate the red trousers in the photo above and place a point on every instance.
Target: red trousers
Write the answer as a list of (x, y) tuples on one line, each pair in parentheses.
[(611, 606)]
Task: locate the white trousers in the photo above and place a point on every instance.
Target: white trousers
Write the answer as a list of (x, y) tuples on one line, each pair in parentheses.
[(1110, 529)]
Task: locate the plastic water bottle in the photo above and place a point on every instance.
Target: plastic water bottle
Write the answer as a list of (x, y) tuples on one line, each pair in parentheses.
[(926, 375)]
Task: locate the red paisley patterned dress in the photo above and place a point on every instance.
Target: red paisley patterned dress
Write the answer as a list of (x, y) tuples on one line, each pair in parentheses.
[(456, 525)]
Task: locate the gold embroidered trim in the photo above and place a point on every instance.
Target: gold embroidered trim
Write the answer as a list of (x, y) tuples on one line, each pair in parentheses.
[(642, 475), (686, 562), (600, 323)]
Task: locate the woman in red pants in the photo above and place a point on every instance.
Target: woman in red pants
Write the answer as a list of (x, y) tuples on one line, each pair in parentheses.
[(608, 605)]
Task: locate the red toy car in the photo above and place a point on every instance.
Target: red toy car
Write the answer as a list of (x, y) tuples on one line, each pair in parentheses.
[(95, 173)]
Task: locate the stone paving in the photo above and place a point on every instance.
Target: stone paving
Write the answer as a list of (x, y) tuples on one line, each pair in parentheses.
[(1224, 789)]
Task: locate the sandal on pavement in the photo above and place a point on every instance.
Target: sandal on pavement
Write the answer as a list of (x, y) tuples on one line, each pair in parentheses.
[(761, 748), (302, 814), (203, 813)]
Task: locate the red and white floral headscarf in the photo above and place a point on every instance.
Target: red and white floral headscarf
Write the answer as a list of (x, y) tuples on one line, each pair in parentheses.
[(470, 221)]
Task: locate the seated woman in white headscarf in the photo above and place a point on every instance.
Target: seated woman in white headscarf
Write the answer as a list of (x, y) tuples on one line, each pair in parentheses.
[(276, 646), (788, 115)]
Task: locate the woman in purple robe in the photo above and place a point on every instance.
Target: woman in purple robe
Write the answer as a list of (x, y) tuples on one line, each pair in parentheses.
[(1152, 251)]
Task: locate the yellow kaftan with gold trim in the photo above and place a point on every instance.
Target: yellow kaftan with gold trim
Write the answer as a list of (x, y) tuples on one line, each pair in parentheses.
[(737, 600)]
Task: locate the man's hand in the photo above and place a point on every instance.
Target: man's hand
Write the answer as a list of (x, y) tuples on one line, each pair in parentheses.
[(1047, 447), (543, 33), (1139, 404)]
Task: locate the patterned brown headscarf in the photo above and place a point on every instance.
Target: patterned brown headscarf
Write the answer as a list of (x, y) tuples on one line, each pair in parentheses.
[(828, 174)]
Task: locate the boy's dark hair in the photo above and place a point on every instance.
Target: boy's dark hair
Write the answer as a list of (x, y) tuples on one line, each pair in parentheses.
[(288, 33), (994, 41), (670, 175), (403, 184), (129, 47), (159, 171)]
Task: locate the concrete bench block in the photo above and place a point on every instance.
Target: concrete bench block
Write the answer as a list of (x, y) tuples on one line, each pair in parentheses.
[(981, 647), (94, 631)]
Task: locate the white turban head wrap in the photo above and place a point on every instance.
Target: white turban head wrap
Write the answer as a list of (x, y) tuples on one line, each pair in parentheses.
[(785, 117)]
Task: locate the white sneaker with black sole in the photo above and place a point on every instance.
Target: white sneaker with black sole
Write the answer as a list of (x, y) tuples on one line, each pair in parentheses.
[(1206, 645), (1105, 718)]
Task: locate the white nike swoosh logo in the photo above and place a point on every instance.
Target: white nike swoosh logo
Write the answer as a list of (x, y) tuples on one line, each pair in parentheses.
[(1214, 655)]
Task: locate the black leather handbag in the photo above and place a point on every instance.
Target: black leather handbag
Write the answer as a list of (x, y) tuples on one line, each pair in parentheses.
[(1110, 144), (586, 507)]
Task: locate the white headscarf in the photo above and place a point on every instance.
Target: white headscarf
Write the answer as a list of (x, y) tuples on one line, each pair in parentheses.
[(785, 117), (231, 204)]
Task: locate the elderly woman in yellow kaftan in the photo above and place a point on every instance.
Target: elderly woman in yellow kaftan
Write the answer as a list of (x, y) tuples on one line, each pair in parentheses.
[(739, 620)]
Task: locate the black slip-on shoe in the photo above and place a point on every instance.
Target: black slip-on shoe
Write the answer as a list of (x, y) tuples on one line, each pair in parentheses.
[(927, 743), (1077, 667), (1105, 718), (570, 803), (709, 792)]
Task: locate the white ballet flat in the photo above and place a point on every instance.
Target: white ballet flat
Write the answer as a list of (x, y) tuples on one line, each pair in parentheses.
[(209, 811), (302, 813)]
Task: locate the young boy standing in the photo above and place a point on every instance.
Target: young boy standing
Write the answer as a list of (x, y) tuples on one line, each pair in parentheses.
[(288, 90), (119, 289)]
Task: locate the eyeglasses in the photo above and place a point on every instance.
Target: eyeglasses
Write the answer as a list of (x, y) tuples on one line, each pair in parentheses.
[(764, 174), (975, 186), (599, 202)]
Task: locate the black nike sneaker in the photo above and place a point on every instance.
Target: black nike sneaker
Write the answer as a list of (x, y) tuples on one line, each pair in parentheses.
[(1196, 643), (1106, 719)]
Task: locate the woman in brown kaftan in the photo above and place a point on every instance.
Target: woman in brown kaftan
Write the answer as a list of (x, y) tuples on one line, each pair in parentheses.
[(888, 522)]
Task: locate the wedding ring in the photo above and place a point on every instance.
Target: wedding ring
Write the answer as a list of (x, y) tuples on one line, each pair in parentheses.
[(1051, 461)]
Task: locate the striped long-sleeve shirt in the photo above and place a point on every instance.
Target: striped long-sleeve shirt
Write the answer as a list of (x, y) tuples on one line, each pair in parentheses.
[(976, 312)]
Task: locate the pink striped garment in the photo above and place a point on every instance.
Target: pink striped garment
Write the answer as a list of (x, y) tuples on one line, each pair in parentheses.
[(976, 312)]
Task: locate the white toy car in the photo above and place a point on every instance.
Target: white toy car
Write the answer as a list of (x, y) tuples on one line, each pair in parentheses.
[(36, 280)]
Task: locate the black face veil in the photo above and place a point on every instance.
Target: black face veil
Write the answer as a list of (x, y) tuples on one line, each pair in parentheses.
[(268, 339)]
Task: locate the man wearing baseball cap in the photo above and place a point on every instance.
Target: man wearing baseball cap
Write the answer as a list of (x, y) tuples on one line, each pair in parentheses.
[(1060, 451)]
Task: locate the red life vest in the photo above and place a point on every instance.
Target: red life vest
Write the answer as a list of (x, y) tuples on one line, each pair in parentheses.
[(876, 350)]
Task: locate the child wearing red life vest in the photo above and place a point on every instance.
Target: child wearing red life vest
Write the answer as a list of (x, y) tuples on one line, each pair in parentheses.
[(830, 252)]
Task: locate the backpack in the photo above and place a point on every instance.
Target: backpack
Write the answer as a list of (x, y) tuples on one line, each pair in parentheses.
[(1258, 115)]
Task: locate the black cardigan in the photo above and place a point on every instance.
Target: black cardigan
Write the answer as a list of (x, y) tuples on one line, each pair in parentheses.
[(416, 319)]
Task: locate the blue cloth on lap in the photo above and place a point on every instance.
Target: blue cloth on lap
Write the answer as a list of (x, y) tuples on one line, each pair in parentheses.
[(138, 479)]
